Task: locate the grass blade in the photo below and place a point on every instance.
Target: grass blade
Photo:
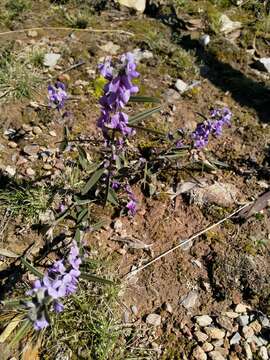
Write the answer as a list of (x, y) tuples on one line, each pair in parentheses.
[(23, 330), (144, 99), (152, 131), (142, 115), (10, 327), (92, 181), (112, 198), (94, 278), (31, 268)]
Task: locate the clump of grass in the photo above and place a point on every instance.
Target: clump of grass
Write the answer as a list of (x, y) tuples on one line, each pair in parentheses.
[(36, 57), (16, 8), (26, 202)]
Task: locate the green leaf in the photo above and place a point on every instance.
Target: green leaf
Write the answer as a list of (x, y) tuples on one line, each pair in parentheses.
[(79, 201), (82, 215), (77, 236), (142, 115), (14, 302), (82, 157), (144, 99), (94, 278), (64, 143), (92, 181), (152, 131), (112, 198), (23, 330), (31, 268)]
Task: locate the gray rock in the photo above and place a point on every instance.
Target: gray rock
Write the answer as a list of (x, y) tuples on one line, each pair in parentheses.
[(235, 339), (215, 333), (264, 321), (12, 144), (171, 95), (31, 149), (37, 130), (263, 64), (10, 170), (140, 55), (30, 172), (225, 323), (200, 336), (153, 319), (247, 331), (263, 353), (168, 307), (218, 343), (227, 25), (199, 354), (134, 310), (243, 320), (203, 320), (110, 48), (181, 86), (204, 40), (190, 300), (207, 347), (248, 351), (138, 5), (216, 355), (51, 59)]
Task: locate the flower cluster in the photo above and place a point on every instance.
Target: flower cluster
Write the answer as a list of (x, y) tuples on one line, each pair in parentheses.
[(214, 126), (60, 281), (117, 93), (57, 95), (132, 204)]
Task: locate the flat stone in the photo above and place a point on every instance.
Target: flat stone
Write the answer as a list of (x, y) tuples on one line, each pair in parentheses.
[(200, 336), (199, 354), (263, 353), (134, 310), (31, 149), (225, 323), (248, 351), (37, 130), (190, 300), (171, 95), (217, 343), (215, 355), (215, 333), (227, 25), (138, 5), (243, 320), (32, 33), (235, 339), (203, 320), (27, 127), (110, 48), (12, 144), (247, 331), (207, 347), (10, 170), (231, 314), (181, 86), (52, 133), (204, 40), (153, 319), (30, 172), (264, 321), (256, 326), (51, 59), (241, 308), (140, 55)]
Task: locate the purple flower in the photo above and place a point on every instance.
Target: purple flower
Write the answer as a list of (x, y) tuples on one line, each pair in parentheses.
[(201, 134), (57, 95), (41, 323), (58, 306), (132, 207)]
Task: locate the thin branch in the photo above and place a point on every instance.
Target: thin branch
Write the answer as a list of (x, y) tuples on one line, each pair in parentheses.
[(51, 28), (167, 252)]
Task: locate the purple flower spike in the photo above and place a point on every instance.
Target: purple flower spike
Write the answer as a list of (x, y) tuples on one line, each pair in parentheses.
[(57, 95), (132, 207), (41, 323)]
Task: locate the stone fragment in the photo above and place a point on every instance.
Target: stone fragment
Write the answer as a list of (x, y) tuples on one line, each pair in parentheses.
[(203, 320), (138, 5), (10, 170), (37, 130), (32, 33), (171, 95), (235, 339), (231, 314), (263, 64), (204, 40), (248, 351), (207, 347), (51, 59), (153, 319), (181, 86), (31, 149), (241, 308), (12, 144), (200, 336), (110, 48), (199, 354), (30, 172), (215, 355), (256, 326), (190, 300), (217, 343), (168, 307), (118, 225), (264, 321), (140, 55), (227, 25), (247, 331), (263, 353), (243, 320), (134, 310), (52, 133), (225, 323), (215, 333)]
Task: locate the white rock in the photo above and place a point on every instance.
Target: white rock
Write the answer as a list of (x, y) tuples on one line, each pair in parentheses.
[(263, 64), (50, 59), (10, 170), (138, 5), (190, 300), (227, 25), (248, 332), (203, 320), (231, 314), (199, 354), (181, 86), (200, 336), (263, 353), (204, 40), (243, 320), (248, 351), (141, 54), (30, 172), (110, 48), (153, 319), (32, 33), (207, 347), (235, 339)]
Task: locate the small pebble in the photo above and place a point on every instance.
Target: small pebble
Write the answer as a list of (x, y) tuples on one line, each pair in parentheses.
[(231, 314), (52, 133), (168, 307), (264, 321), (217, 343), (235, 339), (241, 308), (10, 170), (215, 333), (153, 319), (37, 130), (248, 332), (256, 326), (243, 320), (47, 167), (207, 347), (134, 310), (203, 320), (248, 351), (30, 172), (263, 353), (200, 336), (225, 323), (12, 144), (199, 354), (215, 355), (190, 300)]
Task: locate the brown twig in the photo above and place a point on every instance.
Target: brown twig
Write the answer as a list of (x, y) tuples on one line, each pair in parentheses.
[(51, 28), (167, 252)]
